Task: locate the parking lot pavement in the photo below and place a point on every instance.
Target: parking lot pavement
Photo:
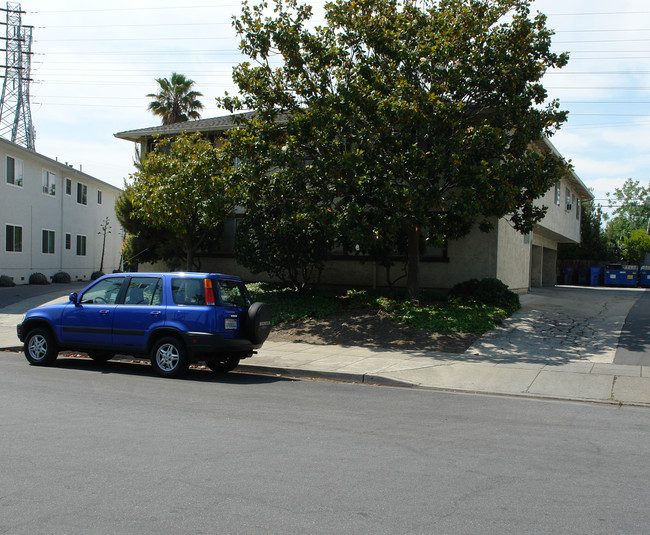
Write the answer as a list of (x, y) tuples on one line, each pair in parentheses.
[(562, 344)]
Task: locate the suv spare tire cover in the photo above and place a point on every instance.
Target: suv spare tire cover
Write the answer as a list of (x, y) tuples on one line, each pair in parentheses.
[(259, 322)]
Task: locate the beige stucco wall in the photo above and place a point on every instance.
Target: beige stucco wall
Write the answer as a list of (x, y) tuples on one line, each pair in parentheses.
[(514, 257), (564, 223)]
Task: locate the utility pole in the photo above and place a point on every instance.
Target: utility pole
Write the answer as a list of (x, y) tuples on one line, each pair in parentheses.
[(15, 113)]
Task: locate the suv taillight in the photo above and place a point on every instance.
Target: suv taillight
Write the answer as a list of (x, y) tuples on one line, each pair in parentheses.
[(209, 292)]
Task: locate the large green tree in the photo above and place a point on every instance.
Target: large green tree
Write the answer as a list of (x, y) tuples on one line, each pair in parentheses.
[(181, 190), (144, 242), (636, 246), (175, 101), (408, 116), (631, 211)]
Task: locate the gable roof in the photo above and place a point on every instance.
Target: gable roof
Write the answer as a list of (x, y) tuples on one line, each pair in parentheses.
[(213, 124)]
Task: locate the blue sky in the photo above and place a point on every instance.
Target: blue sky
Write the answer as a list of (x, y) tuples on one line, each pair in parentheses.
[(94, 63)]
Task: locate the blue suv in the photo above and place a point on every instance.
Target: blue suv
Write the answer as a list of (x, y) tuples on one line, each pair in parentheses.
[(173, 318)]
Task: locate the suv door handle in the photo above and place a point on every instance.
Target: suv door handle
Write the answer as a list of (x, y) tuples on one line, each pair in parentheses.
[(104, 312), (155, 312)]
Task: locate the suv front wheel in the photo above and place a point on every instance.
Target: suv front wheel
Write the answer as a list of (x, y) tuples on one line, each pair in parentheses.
[(40, 348), (169, 358)]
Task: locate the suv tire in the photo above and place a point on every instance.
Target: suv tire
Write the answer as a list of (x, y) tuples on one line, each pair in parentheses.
[(169, 358), (40, 347), (258, 323)]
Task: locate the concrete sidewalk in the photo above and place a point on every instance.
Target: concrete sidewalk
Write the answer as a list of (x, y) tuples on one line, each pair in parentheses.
[(562, 344)]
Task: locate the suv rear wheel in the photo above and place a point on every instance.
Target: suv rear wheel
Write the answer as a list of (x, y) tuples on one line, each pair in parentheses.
[(169, 358), (40, 348)]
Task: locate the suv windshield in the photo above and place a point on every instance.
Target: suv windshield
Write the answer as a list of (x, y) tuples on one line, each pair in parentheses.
[(233, 293)]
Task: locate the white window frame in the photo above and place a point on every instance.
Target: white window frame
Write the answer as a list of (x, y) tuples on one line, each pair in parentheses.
[(68, 186), (558, 193), (49, 183), (14, 251), (99, 196), (68, 241), (52, 242), (18, 171)]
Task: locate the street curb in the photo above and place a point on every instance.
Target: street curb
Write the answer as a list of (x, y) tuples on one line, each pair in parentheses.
[(378, 380), (361, 378)]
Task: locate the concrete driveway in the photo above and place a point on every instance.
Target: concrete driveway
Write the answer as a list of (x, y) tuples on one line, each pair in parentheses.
[(573, 324)]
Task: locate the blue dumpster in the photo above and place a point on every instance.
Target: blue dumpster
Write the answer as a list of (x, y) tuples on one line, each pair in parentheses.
[(594, 280), (644, 276), (623, 276)]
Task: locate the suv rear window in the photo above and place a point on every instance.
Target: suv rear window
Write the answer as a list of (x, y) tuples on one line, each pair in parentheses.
[(233, 293)]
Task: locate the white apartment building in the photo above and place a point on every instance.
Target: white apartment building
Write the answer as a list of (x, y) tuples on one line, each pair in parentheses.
[(51, 218)]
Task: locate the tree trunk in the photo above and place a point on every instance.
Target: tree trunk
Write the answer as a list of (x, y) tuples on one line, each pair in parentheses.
[(413, 262), (189, 254)]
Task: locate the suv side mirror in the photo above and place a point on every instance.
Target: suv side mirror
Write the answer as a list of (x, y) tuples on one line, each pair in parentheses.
[(73, 298)]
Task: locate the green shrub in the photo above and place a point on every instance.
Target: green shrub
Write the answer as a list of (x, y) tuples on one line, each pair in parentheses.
[(487, 291), (38, 278), (61, 277), (96, 275), (6, 281)]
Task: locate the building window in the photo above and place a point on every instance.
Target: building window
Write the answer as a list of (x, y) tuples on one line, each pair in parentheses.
[(68, 241), (558, 193), (14, 241), (14, 171), (49, 182), (81, 245), (99, 197), (48, 242), (578, 210), (568, 199), (82, 193), (68, 186)]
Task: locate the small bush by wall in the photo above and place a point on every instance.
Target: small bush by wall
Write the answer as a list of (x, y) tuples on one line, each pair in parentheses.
[(61, 277), (6, 281), (96, 275), (38, 278), (488, 291)]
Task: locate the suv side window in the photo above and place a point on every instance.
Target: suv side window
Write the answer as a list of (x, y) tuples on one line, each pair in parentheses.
[(188, 291), (104, 292), (144, 291)]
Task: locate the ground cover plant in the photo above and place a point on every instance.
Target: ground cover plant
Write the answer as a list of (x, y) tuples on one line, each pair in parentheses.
[(470, 312)]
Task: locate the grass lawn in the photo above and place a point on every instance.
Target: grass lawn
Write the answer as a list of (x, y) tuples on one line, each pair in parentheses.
[(433, 311)]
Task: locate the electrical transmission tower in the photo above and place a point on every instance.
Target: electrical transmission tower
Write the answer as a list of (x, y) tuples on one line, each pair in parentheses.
[(15, 114)]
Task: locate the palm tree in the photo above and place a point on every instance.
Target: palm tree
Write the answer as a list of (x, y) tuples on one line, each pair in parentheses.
[(175, 101)]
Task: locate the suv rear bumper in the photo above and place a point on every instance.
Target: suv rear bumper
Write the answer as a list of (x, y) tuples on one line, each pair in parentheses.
[(198, 344)]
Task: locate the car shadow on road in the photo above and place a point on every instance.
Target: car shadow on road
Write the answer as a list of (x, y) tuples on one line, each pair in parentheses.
[(144, 369)]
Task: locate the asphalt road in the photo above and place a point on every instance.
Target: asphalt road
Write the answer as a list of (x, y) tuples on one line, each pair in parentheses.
[(634, 342), (114, 449)]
